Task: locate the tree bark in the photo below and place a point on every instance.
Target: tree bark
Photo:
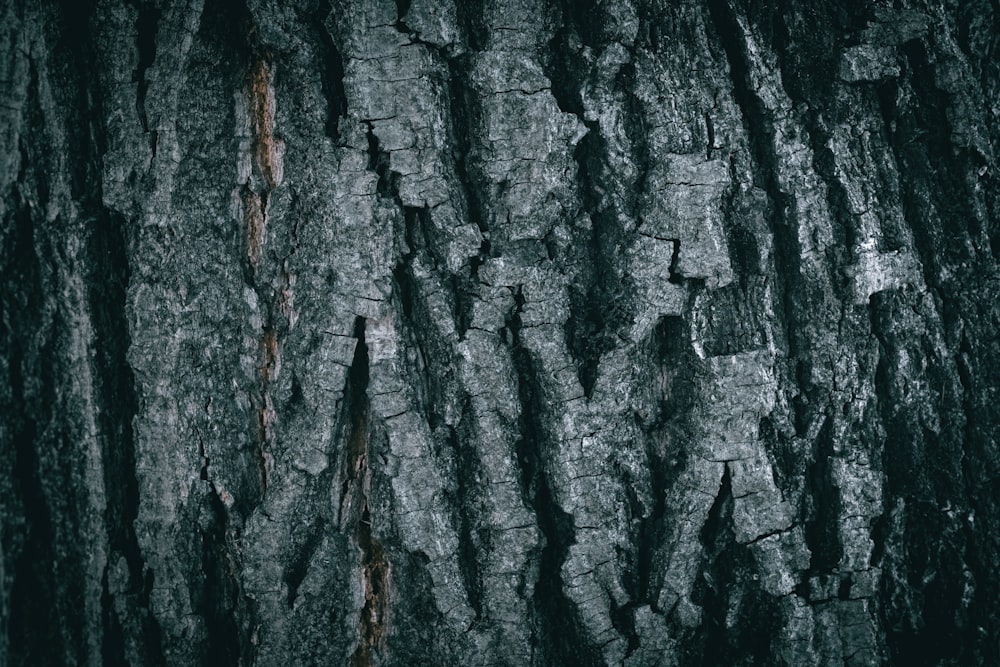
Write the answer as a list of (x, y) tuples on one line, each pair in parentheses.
[(536, 332)]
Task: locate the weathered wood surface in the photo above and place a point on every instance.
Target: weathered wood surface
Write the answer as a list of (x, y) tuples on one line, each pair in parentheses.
[(524, 332)]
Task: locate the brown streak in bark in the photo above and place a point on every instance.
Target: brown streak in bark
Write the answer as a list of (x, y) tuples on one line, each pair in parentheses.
[(262, 109), (355, 507), (376, 578), (266, 153), (267, 162), (254, 205)]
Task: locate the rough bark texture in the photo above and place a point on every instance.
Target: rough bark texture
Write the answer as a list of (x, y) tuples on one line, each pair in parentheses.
[(533, 332)]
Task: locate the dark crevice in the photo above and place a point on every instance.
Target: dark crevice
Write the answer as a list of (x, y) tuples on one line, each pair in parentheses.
[(357, 472), (470, 538), (808, 60), (420, 238), (356, 406), (979, 544), (378, 162), (459, 439), (935, 193), (407, 289), (926, 472), (649, 36), (709, 136), (464, 114), (807, 73), (599, 306), (789, 464), (205, 461), (556, 623), (472, 21), (218, 597), (675, 257), (296, 571), (586, 18), (109, 274), (638, 131), (116, 386), (566, 70), (758, 123), (825, 166), (332, 71), (52, 638), (464, 290), (146, 28), (402, 7), (823, 522), (45, 553), (741, 622), (939, 206), (905, 477), (623, 620), (671, 350), (112, 637), (32, 613), (741, 207), (880, 537), (717, 536), (527, 451)]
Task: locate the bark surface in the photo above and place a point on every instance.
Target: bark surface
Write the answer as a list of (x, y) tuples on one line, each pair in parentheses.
[(530, 332)]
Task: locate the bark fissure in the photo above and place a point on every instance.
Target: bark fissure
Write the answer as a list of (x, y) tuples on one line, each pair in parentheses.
[(333, 71), (758, 123), (741, 621), (463, 112), (266, 157), (31, 604), (217, 599), (599, 307), (146, 26), (297, 570), (557, 632), (117, 387), (467, 471), (821, 529), (463, 115), (355, 503)]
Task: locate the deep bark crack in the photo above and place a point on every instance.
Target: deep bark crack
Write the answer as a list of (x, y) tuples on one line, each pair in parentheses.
[(146, 27), (356, 509), (556, 625), (332, 72)]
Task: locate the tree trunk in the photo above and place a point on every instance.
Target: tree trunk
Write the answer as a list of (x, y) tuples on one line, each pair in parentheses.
[(536, 332)]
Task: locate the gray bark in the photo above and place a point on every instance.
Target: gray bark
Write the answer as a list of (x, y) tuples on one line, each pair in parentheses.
[(535, 332)]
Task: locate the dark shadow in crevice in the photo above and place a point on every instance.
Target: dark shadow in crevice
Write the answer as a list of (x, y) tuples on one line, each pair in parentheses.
[(332, 71), (296, 571), (822, 526), (146, 28), (558, 630), (741, 622)]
